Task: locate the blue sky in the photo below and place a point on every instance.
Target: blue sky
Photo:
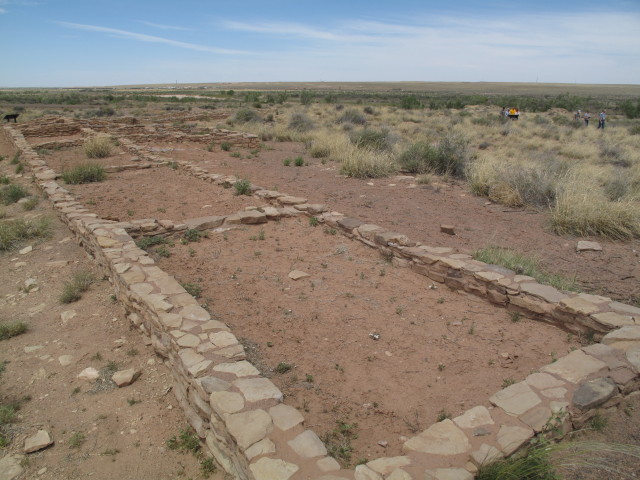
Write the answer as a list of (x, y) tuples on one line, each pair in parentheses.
[(116, 42)]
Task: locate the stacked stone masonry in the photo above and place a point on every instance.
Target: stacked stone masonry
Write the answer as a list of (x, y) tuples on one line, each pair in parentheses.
[(240, 415)]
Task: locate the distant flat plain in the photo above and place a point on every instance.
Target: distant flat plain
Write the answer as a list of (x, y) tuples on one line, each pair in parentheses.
[(465, 88)]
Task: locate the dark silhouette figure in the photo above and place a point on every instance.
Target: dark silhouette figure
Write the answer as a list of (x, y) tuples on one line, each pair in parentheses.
[(11, 116)]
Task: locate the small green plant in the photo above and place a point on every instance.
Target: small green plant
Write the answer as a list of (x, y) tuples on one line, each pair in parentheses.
[(338, 441), (163, 252), (132, 352), (73, 289), (4, 180), (110, 452), (286, 162), (226, 146), (76, 440), (13, 329), (506, 382), (298, 161), (207, 467), (19, 168), (515, 316), (98, 146), (173, 165), (598, 422), (133, 401), (85, 173), (76, 390), (16, 158), (314, 222), (242, 187), (186, 441), (443, 415), (441, 366), (193, 289), (339, 368), (440, 300), (30, 204), (308, 378), (283, 368), (330, 231), (12, 193), (146, 242), (192, 235)]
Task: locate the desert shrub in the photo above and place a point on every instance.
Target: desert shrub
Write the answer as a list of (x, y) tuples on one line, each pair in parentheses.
[(4, 180), (192, 289), (365, 163), (73, 289), (306, 97), (98, 146), (634, 130), (379, 140), (447, 157), (12, 193), (613, 153), (517, 184), (617, 186), (582, 211), (300, 122), (410, 102), (30, 203), (13, 232), (318, 150), (146, 242), (242, 187), (13, 329), (246, 115), (352, 116), (85, 173), (369, 110)]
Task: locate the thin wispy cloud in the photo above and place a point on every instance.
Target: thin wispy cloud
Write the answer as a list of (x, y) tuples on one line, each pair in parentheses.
[(285, 30), (166, 27), (151, 39)]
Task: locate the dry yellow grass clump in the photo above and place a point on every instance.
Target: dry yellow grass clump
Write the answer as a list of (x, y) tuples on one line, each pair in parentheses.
[(588, 178)]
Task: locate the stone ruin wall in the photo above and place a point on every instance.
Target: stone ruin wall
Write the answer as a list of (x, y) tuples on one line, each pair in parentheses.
[(239, 414)]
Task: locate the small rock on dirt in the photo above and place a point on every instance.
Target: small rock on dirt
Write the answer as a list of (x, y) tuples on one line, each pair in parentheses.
[(584, 246), (37, 441), (88, 373), (123, 378), (25, 250), (297, 275), (10, 467), (448, 229)]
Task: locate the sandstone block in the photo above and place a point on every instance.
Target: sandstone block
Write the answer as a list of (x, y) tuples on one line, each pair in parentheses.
[(575, 367), (285, 417), (308, 445), (256, 389), (594, 393), (442, 438), (122, 378), (272, 469), (516, 399), (38, 441)]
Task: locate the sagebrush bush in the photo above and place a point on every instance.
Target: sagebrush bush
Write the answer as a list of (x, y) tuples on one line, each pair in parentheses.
[(449, 156), (13, 232), (365, 163), (85, 173), (73, 289), (247, 115), (380, 140), (352, 116), (12, 193), (98, 146), (300, 122)]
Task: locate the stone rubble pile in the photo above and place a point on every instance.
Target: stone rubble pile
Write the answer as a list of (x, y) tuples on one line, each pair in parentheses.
[(240, 415)]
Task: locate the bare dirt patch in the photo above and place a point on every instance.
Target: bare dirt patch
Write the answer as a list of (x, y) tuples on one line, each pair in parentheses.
[(66, 158), (157, 192), (359, 341)]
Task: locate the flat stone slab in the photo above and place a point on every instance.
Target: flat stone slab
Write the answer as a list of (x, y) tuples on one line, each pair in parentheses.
[(473, 418), (633, 356), (448, 474), (385, 465), (298, 274), (226, 402), (285, 417), (239, 369), (510, 438), (543, 381), (584, 246), (272, 469), (89, 374), (252, 217), (204, 223), (575, 367), (545, 292), (249, 427), (349, 224), (256, 389), (442, 438), (308, 445), (10, 468), (263, 447), (594, 393), (38, 441), (516, 399), (623, 338)]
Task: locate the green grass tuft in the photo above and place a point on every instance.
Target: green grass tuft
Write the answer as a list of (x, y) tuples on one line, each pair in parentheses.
[(8, 330), (86, 173), (73, 289), (12, 193), (98, 146), (523, 265), (13, 232)]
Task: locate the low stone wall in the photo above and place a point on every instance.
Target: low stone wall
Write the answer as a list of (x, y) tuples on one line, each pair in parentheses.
[(239, 414)]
